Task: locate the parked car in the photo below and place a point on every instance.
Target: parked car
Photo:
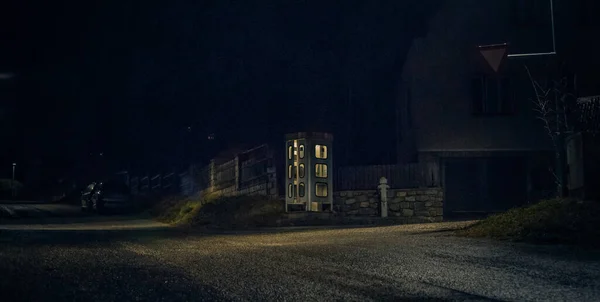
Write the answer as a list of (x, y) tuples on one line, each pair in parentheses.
[(110, 195)]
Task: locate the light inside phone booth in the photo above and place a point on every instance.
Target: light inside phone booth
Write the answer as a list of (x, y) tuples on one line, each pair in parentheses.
[(309, 185)]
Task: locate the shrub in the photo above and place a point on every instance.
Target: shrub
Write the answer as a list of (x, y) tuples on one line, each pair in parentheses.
[(550, 221), (6, 185), (226, 212)]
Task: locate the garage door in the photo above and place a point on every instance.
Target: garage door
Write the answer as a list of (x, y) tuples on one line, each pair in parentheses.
[(484, 185)]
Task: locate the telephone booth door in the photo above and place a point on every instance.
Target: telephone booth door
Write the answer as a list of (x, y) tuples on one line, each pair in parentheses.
[(296, 174)]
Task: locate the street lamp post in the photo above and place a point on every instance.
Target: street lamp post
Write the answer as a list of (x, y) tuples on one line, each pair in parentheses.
[(12, 183)]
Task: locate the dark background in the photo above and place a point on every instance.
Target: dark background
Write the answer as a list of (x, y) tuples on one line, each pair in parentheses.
[(141, 84)]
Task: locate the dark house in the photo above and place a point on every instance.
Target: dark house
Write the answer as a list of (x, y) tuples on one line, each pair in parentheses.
[(583, 151), (477, 120)]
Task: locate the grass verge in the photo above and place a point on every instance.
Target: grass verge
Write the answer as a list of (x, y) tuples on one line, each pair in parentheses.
[(222, 212), (564, 221)]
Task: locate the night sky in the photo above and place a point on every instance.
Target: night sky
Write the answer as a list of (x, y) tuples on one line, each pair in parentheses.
[(145, 82)]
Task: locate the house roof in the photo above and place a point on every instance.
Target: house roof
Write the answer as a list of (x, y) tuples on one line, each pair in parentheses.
[(309, 135)]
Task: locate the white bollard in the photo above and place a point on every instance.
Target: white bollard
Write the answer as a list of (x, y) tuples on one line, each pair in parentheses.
[(383, 188)]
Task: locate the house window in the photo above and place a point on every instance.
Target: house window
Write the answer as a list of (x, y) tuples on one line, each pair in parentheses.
[(301, 190), (321, 170), (290, 190), (290, 171), (321, 189), (321, 151), (301, 151), (301, 170), (290, 152), (492, 96)]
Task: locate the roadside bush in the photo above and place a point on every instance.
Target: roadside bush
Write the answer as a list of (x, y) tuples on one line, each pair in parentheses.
[(224, 212), (7, 184), (551, 221)]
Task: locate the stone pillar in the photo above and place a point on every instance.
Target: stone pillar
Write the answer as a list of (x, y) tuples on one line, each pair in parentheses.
[(383, 190)]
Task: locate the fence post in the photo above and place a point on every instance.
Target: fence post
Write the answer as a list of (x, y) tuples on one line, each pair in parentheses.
[(212, 175), (383, 187), (424, 175), (192, 179), (435, 174), (236, 166)]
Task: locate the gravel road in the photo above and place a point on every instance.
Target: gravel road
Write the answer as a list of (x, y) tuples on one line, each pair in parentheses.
[(120, 258)]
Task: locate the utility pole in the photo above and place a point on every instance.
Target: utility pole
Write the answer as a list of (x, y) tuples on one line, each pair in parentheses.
[(560, 145), (560, 131)]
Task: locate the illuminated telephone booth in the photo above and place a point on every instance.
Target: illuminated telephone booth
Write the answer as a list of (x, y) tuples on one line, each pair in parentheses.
[(309, 185)]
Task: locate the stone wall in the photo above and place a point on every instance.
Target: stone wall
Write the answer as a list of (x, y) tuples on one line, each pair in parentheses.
[(409, 205)]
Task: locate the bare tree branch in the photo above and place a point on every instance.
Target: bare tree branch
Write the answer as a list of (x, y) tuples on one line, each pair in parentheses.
[(545, 112), (542, 106)]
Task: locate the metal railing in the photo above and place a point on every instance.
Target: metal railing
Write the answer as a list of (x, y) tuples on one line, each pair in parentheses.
[(399, 176)]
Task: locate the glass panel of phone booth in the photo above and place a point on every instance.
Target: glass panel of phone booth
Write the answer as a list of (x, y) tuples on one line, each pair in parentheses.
[(320, 178), (296, 171), (308, 162)]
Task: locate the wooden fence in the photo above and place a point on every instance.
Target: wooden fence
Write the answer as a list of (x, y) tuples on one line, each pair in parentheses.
[(254, 166), (224, 175), (159, 183), (253, 172), (399, 176), (247, 172), (201, 177)]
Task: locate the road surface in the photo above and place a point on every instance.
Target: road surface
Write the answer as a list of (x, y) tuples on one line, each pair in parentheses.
[(132, 258)]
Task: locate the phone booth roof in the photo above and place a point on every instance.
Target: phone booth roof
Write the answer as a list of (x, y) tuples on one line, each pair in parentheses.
[(309, 135)]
